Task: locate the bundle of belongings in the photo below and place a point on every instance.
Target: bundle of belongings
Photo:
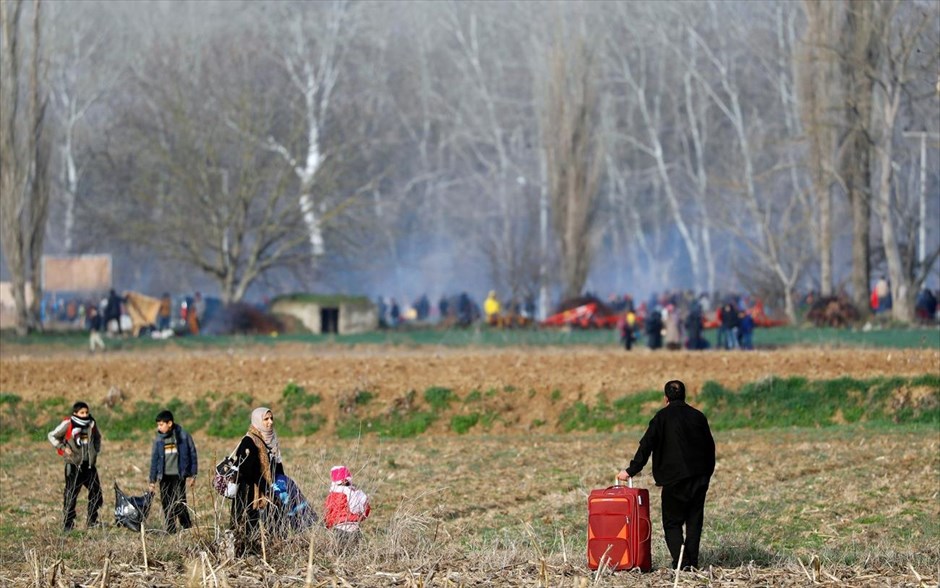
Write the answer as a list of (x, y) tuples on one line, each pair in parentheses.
[(131, 511), (298, 513)]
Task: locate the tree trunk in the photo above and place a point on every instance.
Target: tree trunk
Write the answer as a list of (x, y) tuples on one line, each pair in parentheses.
[(856, 182), (860, 55), (24, 156), (817, 97), (902, 295), (39, 184), (574, 162)]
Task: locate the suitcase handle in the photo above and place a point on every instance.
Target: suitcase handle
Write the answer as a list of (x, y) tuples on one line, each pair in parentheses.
[(649, 526), (617, 483)]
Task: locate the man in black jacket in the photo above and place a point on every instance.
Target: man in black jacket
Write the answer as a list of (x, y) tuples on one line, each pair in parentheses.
[(683, 461)]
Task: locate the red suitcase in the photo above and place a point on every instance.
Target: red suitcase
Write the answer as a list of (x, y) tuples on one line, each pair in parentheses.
[(619, 528)]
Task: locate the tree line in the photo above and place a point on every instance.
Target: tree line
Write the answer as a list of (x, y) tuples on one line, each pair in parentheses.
[(769, 146)]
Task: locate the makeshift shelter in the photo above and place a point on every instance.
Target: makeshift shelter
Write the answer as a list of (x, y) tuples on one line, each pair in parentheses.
[(338, 314), (142, 309)]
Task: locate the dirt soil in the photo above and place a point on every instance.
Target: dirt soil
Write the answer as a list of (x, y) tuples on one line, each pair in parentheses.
[(821, 490), (580, 373)]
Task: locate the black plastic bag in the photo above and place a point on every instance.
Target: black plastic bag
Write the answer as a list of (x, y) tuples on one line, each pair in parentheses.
[(131, 511)]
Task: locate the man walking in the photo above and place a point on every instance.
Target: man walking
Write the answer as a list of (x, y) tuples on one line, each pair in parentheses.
[(683, 461)]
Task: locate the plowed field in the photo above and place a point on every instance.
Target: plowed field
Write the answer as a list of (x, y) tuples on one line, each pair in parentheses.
[(390, 372), (842, 505)]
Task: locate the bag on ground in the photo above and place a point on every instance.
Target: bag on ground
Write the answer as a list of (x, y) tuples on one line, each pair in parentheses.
[(300, 515), (131, 511)]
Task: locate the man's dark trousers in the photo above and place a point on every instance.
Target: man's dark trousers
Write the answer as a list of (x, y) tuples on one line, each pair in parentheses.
[(173, 497), (684, 504), (75, 478)]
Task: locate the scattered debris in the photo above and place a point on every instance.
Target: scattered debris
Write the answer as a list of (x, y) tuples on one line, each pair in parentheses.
[(114, 397), (833, 311)]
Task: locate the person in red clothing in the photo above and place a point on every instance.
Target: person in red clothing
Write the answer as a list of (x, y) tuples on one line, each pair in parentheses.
[(346, 506)]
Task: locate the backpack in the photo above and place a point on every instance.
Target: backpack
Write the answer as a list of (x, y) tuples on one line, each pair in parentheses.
[(68, 434), (226, 472)]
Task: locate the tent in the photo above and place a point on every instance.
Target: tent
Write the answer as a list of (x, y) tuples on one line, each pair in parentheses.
[(142, 309)]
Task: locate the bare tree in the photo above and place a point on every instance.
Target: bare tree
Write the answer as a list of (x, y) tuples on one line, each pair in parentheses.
[(775, 221), (494, 134), (83, 71), (227, 205), (669, 129), (898, 35), (698, 113), (819, 100), (414, 141), (311, 52), (859, 54), (24, 158), (575, 157)]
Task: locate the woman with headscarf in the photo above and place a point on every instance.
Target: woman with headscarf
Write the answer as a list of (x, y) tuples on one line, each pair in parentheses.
[(259, 462)]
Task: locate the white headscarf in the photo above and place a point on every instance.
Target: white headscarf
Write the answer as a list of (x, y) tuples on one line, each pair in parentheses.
[(267, 434)]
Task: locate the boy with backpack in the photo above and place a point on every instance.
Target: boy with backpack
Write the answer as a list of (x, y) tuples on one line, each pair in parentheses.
[(78, 441), (173, 461)]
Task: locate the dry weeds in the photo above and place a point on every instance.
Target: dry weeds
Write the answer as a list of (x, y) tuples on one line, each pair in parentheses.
[(784, 510), (843, 506)]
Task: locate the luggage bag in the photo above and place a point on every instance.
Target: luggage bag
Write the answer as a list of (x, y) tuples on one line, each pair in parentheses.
[(619, 528)]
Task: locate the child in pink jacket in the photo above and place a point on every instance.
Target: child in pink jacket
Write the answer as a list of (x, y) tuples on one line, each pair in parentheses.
[(346, 506)]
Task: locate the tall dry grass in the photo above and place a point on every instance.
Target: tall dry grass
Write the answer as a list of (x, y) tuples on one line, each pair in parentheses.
[(795, 507)]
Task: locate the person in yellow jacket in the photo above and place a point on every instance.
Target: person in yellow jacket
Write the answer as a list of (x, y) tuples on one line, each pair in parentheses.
[(628, 333), (491, 308)]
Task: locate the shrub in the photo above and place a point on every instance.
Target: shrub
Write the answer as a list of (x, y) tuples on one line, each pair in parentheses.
[(297, 397), (438, 398), (403, 426), (136, 423), (6, 398), (461, 423), (581, 417)]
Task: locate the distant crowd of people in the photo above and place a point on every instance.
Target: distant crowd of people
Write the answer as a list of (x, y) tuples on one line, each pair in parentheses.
[(671, 319), (459, 310), (677, 320), (112, 314), (666, 319)]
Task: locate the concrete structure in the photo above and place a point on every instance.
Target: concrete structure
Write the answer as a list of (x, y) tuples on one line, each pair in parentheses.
[(8, 306), (76, 273), (343, 315)]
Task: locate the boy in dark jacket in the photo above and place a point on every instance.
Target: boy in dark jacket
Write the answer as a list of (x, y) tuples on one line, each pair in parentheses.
[(78, 441), (173, 461)]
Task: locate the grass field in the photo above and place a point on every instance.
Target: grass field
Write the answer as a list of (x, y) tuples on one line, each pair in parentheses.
[(896, 337), (828, 461)]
